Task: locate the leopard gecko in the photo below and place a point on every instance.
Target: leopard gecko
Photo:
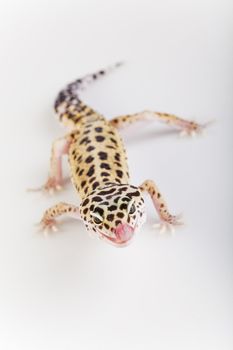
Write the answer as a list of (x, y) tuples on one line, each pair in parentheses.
[(111, 207)]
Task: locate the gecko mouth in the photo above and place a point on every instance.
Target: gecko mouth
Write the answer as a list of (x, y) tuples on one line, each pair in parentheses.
[(123, 235)]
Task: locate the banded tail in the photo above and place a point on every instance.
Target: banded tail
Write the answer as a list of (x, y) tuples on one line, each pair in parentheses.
[(68, 105)]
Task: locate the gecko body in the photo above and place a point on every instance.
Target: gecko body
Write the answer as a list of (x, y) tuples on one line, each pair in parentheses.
[(111, 207)]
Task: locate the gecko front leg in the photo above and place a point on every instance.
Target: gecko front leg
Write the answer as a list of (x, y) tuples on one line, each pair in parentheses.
[(60, 147), (48, 221), (167, 220)]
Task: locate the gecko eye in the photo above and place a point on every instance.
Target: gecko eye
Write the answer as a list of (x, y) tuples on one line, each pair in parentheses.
[(97, 217), (97, 220), (132, 209)]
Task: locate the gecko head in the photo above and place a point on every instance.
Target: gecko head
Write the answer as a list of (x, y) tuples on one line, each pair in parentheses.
[(114, 213)]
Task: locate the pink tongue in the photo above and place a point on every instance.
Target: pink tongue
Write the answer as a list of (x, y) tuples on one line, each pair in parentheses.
[(124, 232)]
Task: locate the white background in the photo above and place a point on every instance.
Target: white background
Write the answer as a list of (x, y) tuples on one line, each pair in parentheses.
[(73, 292)]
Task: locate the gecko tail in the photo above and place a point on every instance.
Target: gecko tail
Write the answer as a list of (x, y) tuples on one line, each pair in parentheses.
[(70, 92), (83, 82)]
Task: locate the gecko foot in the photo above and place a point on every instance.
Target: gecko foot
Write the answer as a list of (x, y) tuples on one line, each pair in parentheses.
[(51, 186), (47, 225), (169, 224), (193, 129)]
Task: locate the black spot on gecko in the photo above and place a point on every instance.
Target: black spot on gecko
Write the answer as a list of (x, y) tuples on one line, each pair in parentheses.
[(86, 201), (95, 185), (105, 166), (134, 194), (89, 159), (117, 157), (110, 191), (98, 129), (125, 199), (100, 138), (91, 171), (110, 217), (113, 140), (85, 141), (124, 188), (119, 173), (96, 199), (123, 206), (61, 98), (104, 173), (116, 199), (112, 207), (103, 155), (85, 211), (90, 148), (83, 183)]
